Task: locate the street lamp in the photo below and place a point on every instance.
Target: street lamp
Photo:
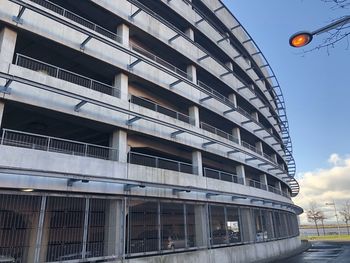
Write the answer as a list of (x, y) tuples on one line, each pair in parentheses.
[(302, 38), (336, 215)]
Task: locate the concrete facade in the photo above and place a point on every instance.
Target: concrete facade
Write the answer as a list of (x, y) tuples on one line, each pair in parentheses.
[(128, 138)]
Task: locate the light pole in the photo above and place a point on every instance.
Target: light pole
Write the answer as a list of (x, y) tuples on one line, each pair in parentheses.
[(336, 215), (303, 38)]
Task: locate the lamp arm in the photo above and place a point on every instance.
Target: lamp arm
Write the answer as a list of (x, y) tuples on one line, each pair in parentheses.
[(340, 22)]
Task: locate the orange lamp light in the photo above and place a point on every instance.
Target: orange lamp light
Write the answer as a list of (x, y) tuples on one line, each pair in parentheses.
[(300, 39)]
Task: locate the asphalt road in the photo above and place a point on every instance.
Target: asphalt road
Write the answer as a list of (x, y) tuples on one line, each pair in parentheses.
[(323, 252)]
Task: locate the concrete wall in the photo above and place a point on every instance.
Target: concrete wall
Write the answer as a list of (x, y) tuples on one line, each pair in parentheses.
[(237, 254)]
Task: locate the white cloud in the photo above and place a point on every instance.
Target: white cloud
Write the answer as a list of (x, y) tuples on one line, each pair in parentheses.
[(325, 185)]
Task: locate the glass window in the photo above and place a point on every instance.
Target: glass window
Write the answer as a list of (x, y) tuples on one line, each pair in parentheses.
[(19, 217), (259, 231), (143, 228), (218, 225), (172, 226), (267, 224), (233, 225), (191, 226), (63, 228)]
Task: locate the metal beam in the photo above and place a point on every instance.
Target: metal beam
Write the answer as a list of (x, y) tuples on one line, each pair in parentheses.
[(174, 134), (208, 195), (244, 87), (137, 61), (254, 98), (82, 45), (230, 110), (245, 122), (204, 57), (79, 105), (235, 197), (223, 39), (127, 187), (250, 159), (261, 129), (135, 13), (226, 73), (199, 21), (263, 164), (206, 98), (219, 8), (6, 88), (234, 151), (207, 144), (233, 28), (136, 118), (246, 41), (174, 37), (175, 191), (18, 18), (175, 83)]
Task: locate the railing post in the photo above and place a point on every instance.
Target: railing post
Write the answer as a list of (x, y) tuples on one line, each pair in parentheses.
[(90, 83), (157, 162), (57, 72), (178, 166), (48, 144), (85, 154), (3, 136), (16, 62)]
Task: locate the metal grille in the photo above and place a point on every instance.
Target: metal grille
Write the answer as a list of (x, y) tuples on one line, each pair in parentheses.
[(158, 108), (52, 144), (19, 217), (158, 162), (221, 175), (53, 71), (219, 132), (78, 19), (160, 61), (64, 224)]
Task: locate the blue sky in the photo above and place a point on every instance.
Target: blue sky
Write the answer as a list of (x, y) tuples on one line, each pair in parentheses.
[(316, 85)]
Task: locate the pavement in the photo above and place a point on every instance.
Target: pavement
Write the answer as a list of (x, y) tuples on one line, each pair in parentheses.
[(322, 251)]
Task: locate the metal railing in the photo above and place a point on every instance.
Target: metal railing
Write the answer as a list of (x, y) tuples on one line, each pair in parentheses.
[(160, 162), (251, 147), (53, 144), (78, 19), (256, 184), (53, 71), (269, 158), (224, 176), (161, 109), (218, 132), (160, 61), (274, 190)]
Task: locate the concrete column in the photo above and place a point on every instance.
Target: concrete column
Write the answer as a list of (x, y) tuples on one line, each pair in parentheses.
[(263, 181), (232, 97), (2, 108), (8, 39), (123, 32), (193, 112), (236, 132), (121, 81), (190, 33), (274, 157), (259, 147), (45, 237), (201, 225), (119, 141), (197, 163), (240, 171), (255, 116), (229, 65), (114, 228), (192, 71), (278, 186)]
